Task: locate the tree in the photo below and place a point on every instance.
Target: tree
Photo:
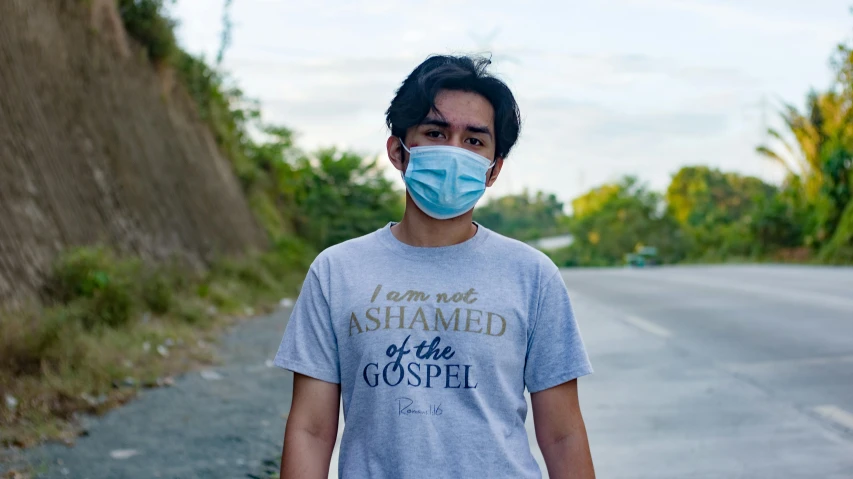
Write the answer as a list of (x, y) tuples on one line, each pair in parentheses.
[(338, 196), (821, 155), (525, 216), (715, 209), (322, 198), (592, 201), (626, 216), (779, 221), (699, 195)]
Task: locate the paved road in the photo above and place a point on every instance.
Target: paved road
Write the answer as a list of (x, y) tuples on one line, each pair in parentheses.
[(718, 372), (701, 372)]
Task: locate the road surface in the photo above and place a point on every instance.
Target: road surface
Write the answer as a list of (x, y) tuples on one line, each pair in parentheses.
[(700, 372), (718, 372)]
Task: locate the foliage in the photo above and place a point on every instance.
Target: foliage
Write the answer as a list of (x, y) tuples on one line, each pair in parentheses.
[(719, 216), (79, 273), (225, 109), (715, 209), (111, 324), (780, 220), (225, 40), (819, 158), (338, 196), (316, 200), (108, 318), (525, 216), (156, 291), (146, 22), (321, 199), (594, 200), (700, 195), (621, 218), (839, 250), (99, 285), (817, 151)]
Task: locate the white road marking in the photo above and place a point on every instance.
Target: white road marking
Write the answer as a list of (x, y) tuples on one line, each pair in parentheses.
[(123, 453), (648, 326), (817, 361), (836, 415), (636, 321)]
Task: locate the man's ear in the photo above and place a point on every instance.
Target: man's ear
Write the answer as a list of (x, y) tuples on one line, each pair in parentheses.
[(492, 175), (395, 152)]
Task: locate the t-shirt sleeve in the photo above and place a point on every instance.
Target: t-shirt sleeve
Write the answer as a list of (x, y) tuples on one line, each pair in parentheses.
[(309, 345), (555, 349)]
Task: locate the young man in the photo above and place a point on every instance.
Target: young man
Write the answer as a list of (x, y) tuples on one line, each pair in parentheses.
[(431, 328)]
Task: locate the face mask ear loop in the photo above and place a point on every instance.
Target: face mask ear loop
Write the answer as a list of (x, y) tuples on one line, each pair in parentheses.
[(490, 171), (403, 172), (404, 146)]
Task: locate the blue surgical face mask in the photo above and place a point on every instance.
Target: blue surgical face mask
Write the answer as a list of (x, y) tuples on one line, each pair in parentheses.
[(445, 181)]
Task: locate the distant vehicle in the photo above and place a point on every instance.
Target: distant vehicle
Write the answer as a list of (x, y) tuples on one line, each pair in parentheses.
[(645, 256)]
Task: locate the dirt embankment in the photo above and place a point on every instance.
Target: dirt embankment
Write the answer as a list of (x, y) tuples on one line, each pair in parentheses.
[(98, 146)]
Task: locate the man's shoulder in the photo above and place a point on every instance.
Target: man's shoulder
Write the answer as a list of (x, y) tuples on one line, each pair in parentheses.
[(521, 254), (348, 250)]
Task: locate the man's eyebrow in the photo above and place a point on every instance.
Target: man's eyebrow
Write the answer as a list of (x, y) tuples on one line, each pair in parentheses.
[(436, 122), (479, 129), (444, 124)]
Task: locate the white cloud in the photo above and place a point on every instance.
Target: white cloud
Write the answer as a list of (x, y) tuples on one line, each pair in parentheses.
[(739, 15)]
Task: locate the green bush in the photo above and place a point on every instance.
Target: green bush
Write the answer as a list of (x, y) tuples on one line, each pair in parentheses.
[(257, 272), (256, 276), (111, 306), (78, 274), (223, 296), (157, 292), (32, 341), (146, 22), (58, 333), (839, 249), (100, 285), (288, 254)]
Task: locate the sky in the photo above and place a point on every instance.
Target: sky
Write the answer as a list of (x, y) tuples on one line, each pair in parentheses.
[(606, 88)]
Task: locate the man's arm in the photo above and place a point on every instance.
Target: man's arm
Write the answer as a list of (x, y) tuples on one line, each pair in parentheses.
[(561, 433), (311, 430)]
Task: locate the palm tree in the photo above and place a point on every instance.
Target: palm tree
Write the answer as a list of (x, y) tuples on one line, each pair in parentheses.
[(815, 134), (818, 160)]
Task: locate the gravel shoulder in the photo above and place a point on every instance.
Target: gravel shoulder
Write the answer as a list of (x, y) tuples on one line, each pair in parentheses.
[(226, 421)]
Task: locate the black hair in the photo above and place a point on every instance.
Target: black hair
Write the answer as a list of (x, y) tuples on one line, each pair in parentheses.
[(416, 96)]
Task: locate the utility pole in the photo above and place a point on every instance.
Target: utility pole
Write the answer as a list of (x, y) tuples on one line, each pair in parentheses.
[(763, 137)]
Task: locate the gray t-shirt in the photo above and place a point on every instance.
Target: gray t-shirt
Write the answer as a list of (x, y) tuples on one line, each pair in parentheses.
[(433, 348)]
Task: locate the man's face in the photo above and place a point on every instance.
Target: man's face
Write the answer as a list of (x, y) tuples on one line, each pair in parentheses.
[(467, 121)]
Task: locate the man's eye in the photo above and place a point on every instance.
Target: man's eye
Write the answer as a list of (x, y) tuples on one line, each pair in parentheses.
[(475, 142), (433, 134)]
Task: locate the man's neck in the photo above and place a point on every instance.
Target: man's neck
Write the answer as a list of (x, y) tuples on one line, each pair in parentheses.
[(418, 229)]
